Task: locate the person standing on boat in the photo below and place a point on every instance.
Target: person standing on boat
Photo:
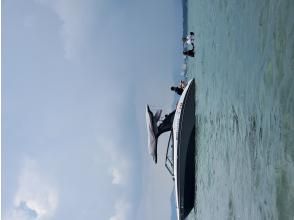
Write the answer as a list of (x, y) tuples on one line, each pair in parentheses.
[(179, 89)]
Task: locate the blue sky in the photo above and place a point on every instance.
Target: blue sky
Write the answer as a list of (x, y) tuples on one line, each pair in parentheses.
[(76, 76)]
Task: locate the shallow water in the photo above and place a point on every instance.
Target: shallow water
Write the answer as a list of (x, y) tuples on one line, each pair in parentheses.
[(245, 108)]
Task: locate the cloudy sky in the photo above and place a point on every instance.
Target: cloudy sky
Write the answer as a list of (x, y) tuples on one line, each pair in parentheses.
[(76, 75)]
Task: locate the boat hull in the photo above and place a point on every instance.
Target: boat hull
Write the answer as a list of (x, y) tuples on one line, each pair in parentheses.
[(184, 151)]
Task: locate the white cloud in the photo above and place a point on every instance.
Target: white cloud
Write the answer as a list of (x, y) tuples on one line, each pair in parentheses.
[(122, 210), (76, 17), (117, 176), (35, 198), (73, 18), (120, 172), (119, 165)]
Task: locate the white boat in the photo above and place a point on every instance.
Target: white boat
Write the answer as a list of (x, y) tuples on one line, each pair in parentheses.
[(184, 151), (180, 156)]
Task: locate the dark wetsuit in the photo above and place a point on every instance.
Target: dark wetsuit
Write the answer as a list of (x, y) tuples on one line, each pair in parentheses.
[(178, 90)]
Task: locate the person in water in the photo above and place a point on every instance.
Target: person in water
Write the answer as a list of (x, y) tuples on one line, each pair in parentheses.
[(189, 53), (189, 40), (179, 89)]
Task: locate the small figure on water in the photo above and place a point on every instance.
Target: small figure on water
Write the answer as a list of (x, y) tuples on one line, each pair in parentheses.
[(189, 40)]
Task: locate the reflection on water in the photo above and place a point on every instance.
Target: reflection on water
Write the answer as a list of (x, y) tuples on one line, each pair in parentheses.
[(245, 108)]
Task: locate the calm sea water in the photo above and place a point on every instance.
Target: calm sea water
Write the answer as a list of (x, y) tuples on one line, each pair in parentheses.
[(244, 71)]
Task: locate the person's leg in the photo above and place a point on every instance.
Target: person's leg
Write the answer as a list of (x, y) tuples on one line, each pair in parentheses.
[(191, 53)]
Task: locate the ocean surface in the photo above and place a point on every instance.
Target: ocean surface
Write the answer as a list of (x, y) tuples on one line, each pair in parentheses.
[(244, 71)]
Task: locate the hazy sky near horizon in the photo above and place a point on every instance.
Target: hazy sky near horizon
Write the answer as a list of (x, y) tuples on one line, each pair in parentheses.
[(76, 75)]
